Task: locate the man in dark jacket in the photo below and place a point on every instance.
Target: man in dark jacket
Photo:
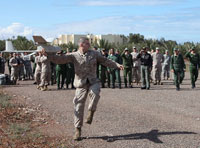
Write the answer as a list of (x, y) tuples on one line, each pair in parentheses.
[(146, 67)]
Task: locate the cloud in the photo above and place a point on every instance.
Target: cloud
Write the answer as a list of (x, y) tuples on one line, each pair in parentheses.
[(15, 29), (125, 2), (180, 27)]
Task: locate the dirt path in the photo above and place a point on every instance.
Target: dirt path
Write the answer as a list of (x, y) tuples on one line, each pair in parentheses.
[(157, 118)]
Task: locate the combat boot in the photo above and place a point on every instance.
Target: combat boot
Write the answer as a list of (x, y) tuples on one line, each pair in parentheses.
[(160, 83), (43, 88), (46, 88), (155, 83), (89, 117), (77, 135), (38, 87)]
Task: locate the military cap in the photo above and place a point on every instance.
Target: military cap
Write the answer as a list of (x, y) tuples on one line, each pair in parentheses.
[(144, 48), (176, 49), (134, 47), (193, 48), (126, 49), (157, 48)]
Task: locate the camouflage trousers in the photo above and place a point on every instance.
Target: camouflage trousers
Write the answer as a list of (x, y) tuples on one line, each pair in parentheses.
[(37, 76), (157, 70), (45, 78), (81, 94), (136, 74), (14, 74)]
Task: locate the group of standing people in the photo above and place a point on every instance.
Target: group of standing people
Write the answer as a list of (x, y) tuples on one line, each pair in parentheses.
[(20, 67), (148, 67)]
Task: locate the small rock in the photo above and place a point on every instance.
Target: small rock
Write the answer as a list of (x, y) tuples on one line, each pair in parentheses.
[(198, 119)]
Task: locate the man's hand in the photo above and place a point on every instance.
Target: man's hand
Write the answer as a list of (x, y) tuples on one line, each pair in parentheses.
[(44, 52), (121, 67)]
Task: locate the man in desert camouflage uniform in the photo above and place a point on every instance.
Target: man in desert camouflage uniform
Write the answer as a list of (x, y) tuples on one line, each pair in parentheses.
[(136, 66), (45, 73), (86, 81), (14, 63), (166, 65), (157, 66), (38, 69)]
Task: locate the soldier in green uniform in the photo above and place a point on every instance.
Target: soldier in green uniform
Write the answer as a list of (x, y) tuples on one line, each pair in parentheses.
[(70, 73), (114, 73), (128, 64), (103, 72), (60, 72), (178, 67), (194, 65)]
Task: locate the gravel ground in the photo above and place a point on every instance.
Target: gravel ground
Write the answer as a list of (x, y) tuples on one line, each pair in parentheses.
[(128, 118)]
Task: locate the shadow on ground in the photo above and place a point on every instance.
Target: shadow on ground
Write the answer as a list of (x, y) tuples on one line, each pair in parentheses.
[(153, 136)]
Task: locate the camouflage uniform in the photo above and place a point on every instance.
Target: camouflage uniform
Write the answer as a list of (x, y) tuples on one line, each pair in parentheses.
[(86, 81), (166, 66), (157, 67), (46, 71), (14, 69), (38, 69), (136, 67)]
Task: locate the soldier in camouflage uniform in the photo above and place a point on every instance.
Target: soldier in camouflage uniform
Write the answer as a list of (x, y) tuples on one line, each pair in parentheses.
[(86, 81), (194, 65), (157, 66), (178, 67), (45, 73), (136, 65), (128, 64), (14, 63), (38, 69), (166, 65), (114, 73)]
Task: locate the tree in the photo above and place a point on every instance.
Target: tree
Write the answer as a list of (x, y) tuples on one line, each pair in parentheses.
[(22, 43), (69, 46), (2, 45)]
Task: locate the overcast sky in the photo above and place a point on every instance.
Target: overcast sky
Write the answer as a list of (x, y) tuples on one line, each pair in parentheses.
[(172, 19)]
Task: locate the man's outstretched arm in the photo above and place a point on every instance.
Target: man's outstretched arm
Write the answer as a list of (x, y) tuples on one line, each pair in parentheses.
[(57, 59)]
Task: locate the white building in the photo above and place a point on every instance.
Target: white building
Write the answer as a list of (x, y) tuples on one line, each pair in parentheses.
[(64, 39)]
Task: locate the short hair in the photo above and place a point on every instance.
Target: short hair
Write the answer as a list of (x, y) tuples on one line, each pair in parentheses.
[(83, 39)]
